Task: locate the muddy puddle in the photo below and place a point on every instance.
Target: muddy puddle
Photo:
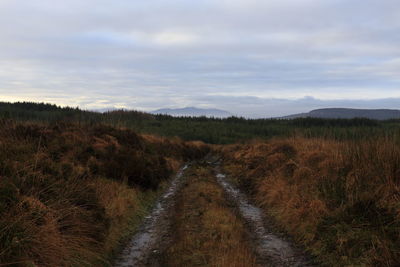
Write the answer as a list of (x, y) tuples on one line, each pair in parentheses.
[(271, 249), (152, 237)]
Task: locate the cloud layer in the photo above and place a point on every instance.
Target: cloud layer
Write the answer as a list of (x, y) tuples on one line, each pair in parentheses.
[(210, 53)]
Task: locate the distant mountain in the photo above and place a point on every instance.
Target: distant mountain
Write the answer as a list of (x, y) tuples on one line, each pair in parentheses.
[(349, 113), (102, 110), (193, 112)]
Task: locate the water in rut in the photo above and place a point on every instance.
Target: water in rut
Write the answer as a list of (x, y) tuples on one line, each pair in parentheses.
[(271, 248), (152, 235)]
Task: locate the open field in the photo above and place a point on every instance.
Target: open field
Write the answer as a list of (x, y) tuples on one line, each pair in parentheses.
[(75, 186)]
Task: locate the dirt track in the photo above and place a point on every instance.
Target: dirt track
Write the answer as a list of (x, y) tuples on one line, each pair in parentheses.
[(155, 235)]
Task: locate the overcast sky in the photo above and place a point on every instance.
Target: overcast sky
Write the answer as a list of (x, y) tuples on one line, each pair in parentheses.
[(252, 58)]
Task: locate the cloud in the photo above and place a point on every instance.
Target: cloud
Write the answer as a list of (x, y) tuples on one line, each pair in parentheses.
[(174, 38), (148, 54)]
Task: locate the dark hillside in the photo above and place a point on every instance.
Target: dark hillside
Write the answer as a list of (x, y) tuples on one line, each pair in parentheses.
[(349, 113), (209, 130)]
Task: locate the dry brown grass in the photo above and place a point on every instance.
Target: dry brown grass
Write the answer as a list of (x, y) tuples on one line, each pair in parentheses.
[(69, 195), (207, 231), (340, 199)]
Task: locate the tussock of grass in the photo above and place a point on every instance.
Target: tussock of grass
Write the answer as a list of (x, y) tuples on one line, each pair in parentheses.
[(339, 199), (69, 195), (208, 233)]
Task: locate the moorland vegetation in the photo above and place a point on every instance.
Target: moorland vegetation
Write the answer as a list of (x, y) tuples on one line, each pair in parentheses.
[(71, 195), (74, 184)]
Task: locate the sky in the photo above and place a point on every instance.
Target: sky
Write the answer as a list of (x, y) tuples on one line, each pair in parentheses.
[(253, 58)]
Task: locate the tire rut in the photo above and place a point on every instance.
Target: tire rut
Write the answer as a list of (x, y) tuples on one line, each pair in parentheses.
[(272, 249), (153, 235)]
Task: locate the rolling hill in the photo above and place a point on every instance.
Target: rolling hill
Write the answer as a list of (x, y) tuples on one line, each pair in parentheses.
[(349, 113)]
